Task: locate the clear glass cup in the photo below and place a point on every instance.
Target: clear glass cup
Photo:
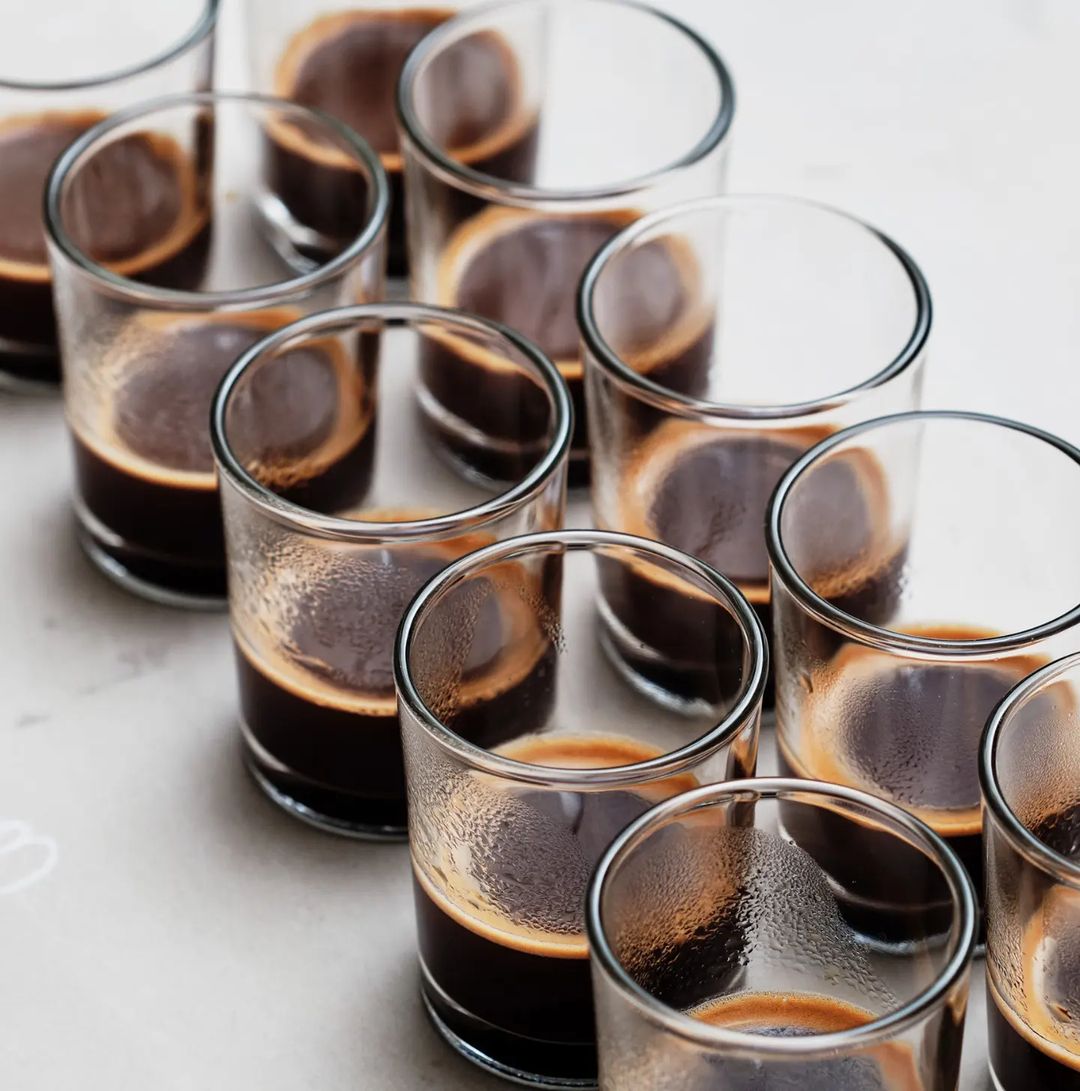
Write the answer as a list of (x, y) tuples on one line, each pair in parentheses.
[(344, 57), (922, 565), (727, 953), (535, 727), (532, 132), (172, 253), (1030, 771), (338, 506), (782, 322), (63, 67)]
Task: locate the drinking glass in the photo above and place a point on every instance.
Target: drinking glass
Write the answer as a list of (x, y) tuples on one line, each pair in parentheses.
[(722, 339), (172, 253), (535, 727), (345, 58), (532, 132), (923, 564), (338, 506), (1030, 772), (63, 68), (727, 953)]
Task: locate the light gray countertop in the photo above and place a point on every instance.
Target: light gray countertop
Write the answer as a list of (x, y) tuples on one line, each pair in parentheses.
[(162, 925)]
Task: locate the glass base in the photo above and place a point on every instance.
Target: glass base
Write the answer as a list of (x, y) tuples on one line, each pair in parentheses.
[(310, 816), (107, 559), (436, 1003)]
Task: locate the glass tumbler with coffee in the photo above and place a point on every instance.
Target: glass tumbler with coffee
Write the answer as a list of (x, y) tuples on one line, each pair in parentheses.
[(923, 564), (535, 728), (61, 72), (787, 321), (338, 506), (345, 58), (532, 132), (1030, 768), (183, 182), (725, 952)]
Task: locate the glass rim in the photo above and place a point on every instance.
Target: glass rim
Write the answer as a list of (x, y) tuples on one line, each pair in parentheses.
[(201, 29), (674, 402), (492, 187), (876, 636), (1045, 858), (338, 528), (178, 299), (874, 1032), (742, 712)]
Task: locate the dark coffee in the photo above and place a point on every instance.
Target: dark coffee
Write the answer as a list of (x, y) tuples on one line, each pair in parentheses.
[(887, 1067), (705, 491), (522, 268), (144, 467), (522, 995), (909, 731), (139, 215), (320, 712), (1037, 1045), (348, 64)]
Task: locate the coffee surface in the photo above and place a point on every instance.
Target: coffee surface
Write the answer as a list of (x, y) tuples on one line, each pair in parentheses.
[(1050, 968), (554, 835), (28, 148), (523, 271), (888, 1067), (162, 409), (785, 1015), (907, 729), (348, 65), (711, 501), (344, 633)]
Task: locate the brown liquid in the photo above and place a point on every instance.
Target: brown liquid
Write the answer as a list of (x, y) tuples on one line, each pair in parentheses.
[(144, 467), (1035, 1041), (705, 491), (888, 1067), (522, 269), (522, 994), (908, 731), (320, 711), (348, 65), (138, 215)]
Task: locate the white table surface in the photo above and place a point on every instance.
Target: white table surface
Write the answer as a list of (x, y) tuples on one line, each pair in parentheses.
[(161, 924)]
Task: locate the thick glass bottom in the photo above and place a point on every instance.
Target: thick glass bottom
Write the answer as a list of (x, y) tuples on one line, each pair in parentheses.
[(192, 587), (524, 1061), (326, 809)]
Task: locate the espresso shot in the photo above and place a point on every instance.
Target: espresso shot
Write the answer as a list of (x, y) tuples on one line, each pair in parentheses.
[(320, 577), (320, 716), (865, 714), (1030, 776), (747, 971), (701, 398), (150, 337), (1033, 1043), (347, 64), (514, 796), (41, 117), (532, 984), (509, 236), (890, 692), (162, 236), (513, 266), (696, 488), (150, 485)]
